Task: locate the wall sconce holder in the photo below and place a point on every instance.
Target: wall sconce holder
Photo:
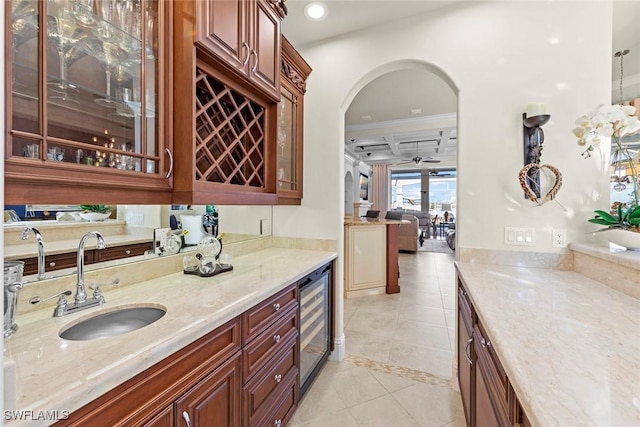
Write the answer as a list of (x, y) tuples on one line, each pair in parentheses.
[(533, 137)]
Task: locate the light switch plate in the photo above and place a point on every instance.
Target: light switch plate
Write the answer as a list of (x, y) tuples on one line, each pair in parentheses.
[(519, 236)]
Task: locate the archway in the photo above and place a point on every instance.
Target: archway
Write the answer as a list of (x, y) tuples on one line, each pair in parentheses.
[(359, 100)]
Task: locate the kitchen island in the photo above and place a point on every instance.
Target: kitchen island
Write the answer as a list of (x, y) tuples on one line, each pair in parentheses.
[(569, 345), (53, 374), (371, 256)]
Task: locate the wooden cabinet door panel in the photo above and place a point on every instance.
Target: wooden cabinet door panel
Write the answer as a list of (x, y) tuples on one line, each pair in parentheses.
[(222, 30), (163, 419), (214, 401), (465, 367), (265, 62)]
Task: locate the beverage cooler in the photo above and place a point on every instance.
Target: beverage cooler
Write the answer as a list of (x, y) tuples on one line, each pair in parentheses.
[(315, 331)]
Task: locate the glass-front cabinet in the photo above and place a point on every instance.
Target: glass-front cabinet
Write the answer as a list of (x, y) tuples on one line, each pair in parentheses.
[(85, 103), (290, 125)]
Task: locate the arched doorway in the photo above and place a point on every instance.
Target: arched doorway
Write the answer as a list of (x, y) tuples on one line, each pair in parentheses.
[(411, 107)]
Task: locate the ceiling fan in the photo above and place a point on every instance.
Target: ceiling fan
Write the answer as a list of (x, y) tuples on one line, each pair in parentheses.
[(417, 159)]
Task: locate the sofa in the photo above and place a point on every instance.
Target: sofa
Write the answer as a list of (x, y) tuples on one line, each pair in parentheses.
[(408, 234)]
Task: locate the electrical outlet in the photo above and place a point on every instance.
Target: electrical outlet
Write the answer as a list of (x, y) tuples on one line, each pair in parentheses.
[(559, 238), (265, 227)]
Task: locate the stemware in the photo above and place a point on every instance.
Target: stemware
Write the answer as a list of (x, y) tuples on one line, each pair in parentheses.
[(84, 12), (110, 56), (64, 36)]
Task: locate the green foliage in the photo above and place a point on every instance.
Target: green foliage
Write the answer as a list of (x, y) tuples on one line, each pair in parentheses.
[(95, 208), (624, 219)]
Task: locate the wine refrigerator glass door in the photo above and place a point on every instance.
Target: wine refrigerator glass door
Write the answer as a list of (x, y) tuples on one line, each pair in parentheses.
[(314, 325)]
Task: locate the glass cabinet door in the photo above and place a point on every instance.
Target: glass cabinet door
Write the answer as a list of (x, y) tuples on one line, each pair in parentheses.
[(83, 83), (287, 179)]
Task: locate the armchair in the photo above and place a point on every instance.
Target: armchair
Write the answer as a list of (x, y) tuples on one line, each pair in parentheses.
[(408, 234)]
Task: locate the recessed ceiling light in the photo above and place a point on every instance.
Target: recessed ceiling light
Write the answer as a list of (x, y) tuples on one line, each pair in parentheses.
[(416, 111), (315, 11), (366, 118)]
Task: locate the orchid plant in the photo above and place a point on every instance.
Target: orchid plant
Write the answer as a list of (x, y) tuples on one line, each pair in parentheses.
[(612, 121)]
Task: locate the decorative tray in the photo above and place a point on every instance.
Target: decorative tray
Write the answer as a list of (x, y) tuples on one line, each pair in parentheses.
[(220, 268)]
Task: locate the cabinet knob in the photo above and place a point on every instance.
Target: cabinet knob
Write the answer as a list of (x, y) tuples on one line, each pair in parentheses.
[(128, 252), (276, 338), (278, 378), (186, 418), (52, 264), (277, 423), (485, 343), (276, 307)]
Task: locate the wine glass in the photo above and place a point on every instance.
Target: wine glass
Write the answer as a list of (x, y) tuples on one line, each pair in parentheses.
[(84, 12), (64, 36), (110, 56)]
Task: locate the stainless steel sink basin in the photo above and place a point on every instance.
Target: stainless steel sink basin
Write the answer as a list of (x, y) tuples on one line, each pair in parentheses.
[(113, 323)]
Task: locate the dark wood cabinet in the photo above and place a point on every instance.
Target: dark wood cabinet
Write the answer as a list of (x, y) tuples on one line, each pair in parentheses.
[(271, 360), (295, 71), (111, 253), (243, 35), (88, 117), (225, 129), (214, 401), (202, 377), (70, 259), (163, 419), (487, 395)]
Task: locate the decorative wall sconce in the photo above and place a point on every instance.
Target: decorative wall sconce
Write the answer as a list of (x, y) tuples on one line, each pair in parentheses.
[(533, 120)]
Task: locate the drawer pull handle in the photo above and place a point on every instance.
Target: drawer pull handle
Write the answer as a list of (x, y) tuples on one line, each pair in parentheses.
[(276, 338), (485, 343), (276, 307), (52, 264), (466, 347), (186, 418), (277, 423), (278, 378), (128, 252)]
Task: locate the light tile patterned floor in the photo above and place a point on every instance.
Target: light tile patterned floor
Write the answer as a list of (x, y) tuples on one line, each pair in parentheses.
[(399, 356)]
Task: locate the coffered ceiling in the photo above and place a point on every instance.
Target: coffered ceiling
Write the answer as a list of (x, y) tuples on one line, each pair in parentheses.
[(404, 109)]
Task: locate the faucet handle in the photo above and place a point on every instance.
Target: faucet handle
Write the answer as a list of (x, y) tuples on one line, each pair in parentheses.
[(62, 302), (97, 293)]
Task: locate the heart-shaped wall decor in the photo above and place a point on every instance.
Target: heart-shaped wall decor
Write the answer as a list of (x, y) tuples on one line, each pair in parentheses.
[(549, 188)]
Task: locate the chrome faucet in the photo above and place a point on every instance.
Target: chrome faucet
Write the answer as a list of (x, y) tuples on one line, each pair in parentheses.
[(81, 293), (40, 242)]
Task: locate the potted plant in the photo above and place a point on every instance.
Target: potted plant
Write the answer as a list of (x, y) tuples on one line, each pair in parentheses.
[(95, 212), (614, 121)]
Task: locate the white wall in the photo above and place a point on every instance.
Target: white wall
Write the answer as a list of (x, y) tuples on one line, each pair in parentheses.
[(497, 57), (500, 56)]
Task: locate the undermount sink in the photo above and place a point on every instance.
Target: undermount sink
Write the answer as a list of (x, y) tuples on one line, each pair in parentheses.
[(113, 323)]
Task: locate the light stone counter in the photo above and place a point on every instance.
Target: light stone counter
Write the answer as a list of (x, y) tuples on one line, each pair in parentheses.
[(569, 345), (372, 221), (29, 249), (54, 374)]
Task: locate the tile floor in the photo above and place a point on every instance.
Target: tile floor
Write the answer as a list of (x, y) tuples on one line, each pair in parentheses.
[(400, 351)]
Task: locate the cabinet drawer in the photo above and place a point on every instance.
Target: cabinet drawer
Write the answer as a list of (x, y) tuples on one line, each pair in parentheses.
[(283, 409), (260, 351), (465, 308), (56, 262), (493, 374), (118, 252), (268, 384), (259, 317)]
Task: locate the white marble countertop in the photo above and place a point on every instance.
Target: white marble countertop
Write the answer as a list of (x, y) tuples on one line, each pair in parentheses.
[(569, 345), (55, 374)]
